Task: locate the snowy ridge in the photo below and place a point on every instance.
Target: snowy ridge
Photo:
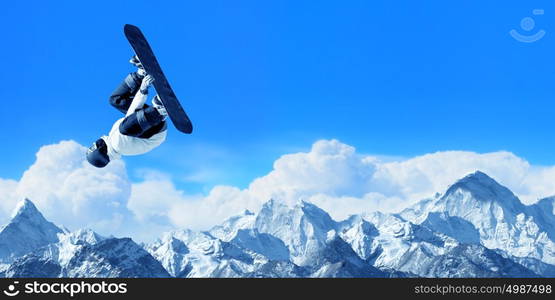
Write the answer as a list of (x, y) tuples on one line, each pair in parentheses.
[(477, 228)]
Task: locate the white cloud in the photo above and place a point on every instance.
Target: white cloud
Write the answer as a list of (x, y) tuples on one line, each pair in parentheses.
[(8, 199), (332, 175), (157, 199), (340, 180), (70, 191), (422, 176), (154, 198), (204, 212), (330, 167)]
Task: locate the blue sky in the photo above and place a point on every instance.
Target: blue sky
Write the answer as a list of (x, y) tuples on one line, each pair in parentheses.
[(264, 78)]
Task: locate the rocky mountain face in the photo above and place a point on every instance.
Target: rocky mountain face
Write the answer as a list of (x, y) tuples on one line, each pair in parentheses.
[(478, 228)]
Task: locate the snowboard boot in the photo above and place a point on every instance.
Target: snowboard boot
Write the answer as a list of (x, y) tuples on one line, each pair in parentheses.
[(137, 63), (157, 103)]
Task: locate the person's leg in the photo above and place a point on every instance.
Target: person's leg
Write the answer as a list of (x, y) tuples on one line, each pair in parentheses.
[(123, 95), (143, 123)]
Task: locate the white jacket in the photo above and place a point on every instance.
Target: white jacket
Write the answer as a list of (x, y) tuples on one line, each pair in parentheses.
[(120, 144)]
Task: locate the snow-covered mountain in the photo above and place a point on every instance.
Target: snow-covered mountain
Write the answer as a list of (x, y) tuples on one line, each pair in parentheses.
[(477, 228), (28, 230), (86, 254), (477, 209), (278, 242)]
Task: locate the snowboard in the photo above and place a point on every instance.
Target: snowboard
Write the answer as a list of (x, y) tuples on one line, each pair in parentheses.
[(143, 51)]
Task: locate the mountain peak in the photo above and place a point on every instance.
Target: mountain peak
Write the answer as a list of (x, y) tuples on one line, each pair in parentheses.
[(27, 213), (28, 230), (483, 188), (25, 208), (478, 177)]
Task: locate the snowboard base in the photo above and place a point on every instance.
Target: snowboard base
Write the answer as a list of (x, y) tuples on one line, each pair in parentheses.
[(145, 54)]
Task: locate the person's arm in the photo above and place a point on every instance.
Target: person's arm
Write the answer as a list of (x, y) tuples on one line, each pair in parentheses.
[(141, 96)]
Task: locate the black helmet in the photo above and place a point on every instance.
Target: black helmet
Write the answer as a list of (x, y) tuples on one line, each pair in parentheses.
[(97, 155)]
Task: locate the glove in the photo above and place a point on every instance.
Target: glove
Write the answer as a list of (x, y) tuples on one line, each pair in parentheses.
[(145, 84), (141, 72)]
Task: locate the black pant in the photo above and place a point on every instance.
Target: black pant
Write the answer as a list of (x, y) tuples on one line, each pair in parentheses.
[(143, 123)]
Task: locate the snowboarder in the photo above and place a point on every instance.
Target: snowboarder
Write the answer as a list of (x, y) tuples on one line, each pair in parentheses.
[(143, 127)]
